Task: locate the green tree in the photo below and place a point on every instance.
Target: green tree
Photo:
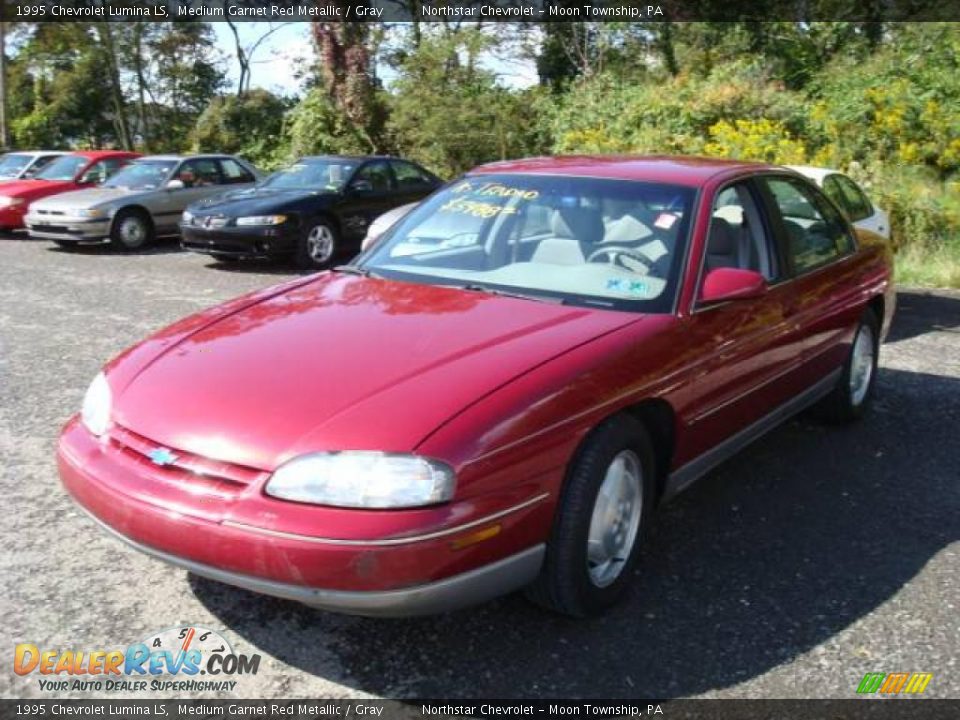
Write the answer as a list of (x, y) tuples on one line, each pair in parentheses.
[(250, 125)]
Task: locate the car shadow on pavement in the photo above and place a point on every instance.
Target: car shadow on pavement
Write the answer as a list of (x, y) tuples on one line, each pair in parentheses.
[(923, 311), (800, 535), (162, 246)]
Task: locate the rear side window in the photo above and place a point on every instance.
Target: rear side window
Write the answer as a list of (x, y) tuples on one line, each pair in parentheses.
[(857, 205), (816, 233), (409, 175), (234, 172)]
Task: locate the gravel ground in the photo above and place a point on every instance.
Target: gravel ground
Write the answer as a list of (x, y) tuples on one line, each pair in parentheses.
[(815, 556)]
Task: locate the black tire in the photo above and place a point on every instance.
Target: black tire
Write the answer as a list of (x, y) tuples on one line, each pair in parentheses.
[(566, 584), (131, 230), (848, 401), (318, 245)]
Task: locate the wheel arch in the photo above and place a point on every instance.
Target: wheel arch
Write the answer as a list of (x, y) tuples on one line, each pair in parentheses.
[(659, 419), (134, 208), (878, 305)]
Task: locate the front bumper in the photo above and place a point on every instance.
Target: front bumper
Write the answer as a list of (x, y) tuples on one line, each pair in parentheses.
[(469, 588), (11, 216), (241, 242), (182, 523), (66, 228)]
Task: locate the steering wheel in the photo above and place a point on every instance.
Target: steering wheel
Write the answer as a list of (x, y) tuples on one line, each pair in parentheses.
[(615, 251)]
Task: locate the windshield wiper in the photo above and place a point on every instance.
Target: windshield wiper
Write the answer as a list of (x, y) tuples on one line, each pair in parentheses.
[(476, 287), (355, 270)]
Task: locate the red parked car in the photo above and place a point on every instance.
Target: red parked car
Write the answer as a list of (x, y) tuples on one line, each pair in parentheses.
[(72, 171), (496, 395)]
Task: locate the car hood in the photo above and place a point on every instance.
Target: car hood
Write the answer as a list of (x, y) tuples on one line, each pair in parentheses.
[(34, 188), (336, 362), (256, 200), (82, 199)]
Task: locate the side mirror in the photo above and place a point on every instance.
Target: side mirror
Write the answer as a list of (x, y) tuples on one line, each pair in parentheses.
[(361, 186), (724, 284), (175, 184)]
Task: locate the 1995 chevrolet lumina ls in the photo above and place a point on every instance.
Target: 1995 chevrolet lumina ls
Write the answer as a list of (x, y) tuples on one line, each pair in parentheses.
[(494, 396)]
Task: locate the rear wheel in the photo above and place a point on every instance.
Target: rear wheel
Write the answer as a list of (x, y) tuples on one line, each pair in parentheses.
[(318, 246), (851, 398), (132, 230), (604, 509)]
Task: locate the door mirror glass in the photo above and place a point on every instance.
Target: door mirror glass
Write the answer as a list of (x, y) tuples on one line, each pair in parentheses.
[(724, 284)]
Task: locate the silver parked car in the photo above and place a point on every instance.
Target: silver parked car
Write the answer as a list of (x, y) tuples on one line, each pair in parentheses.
[(141, 202)]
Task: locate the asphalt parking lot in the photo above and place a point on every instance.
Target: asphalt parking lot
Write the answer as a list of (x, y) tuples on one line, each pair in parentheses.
[(815, 556)]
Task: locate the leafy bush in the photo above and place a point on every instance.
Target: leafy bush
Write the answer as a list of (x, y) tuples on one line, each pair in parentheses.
[(250, 125), (316, 127)]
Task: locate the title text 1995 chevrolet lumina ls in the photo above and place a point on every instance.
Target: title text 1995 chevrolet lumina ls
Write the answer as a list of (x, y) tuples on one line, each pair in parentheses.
[(496, 395)]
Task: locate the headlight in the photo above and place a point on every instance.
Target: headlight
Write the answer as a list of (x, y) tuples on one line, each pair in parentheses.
[(91, 212), (363, 480), (261, 220), (96, 406), (187, 217), (10, 201)]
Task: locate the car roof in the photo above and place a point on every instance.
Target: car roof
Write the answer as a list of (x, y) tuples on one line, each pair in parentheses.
[(817, 173), (96, 154), (186, 157), (678, 170), (355, 158), (36, 152)]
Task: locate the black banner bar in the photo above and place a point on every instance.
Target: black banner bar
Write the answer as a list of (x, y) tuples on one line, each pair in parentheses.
[(536, 11), (329, 709)]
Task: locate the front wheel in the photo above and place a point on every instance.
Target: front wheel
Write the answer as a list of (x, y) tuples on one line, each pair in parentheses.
[(132, 230), (318, 246), (851, 398), (604, 509)]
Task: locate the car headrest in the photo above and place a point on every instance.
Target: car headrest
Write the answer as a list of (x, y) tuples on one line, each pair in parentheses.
[(578, 223), (721, 240)]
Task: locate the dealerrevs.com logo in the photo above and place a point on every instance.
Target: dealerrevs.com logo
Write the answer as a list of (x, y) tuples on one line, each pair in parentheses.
[(894, 683), (172, 660)]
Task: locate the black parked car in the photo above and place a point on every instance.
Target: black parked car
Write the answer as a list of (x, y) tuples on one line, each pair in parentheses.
[(312, 210)]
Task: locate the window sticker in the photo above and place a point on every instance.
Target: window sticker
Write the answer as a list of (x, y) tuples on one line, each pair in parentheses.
[(475, 208), (665, 221), (631, 287), (495, 189)]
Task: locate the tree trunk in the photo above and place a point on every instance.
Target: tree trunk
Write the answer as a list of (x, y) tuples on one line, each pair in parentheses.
[(4, 132), (116, 93)]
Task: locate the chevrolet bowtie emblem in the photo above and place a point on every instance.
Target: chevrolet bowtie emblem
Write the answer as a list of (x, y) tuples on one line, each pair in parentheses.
[(162, 456)]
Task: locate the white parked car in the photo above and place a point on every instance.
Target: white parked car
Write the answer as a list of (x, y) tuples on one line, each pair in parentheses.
[(20, 165), (384, 222), (849, 197)]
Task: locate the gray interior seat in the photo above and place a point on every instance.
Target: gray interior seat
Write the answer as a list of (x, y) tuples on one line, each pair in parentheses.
[(721, 245), (575, 233)]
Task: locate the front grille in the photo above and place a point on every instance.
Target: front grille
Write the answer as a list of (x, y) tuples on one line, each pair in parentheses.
[(50, 212), (214, 476)]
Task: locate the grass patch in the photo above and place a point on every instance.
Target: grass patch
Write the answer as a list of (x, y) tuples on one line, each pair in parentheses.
[(929, 265)]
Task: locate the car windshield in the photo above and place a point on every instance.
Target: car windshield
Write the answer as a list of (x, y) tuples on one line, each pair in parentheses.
[(12, 164), (587, 241), (312, 175), (63, 168), (142, 175)]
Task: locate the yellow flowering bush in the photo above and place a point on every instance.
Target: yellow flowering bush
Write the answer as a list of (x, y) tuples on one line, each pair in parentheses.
[(762, 139)]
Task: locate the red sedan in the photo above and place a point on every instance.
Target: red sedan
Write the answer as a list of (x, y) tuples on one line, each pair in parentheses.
[(68, 172), (497, 395)]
